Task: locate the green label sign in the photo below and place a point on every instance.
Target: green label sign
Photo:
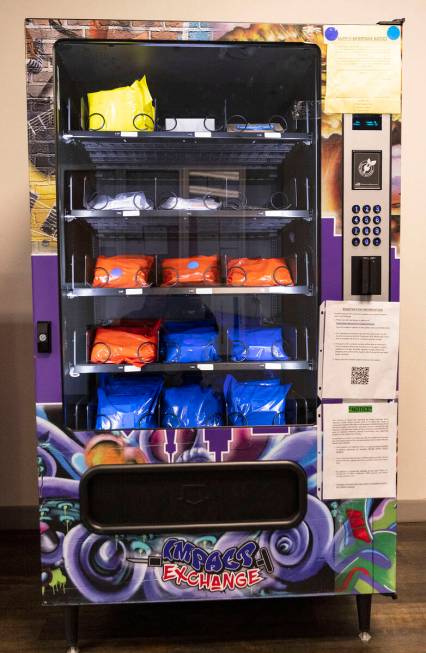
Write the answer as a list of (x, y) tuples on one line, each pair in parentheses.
[(360, 409)]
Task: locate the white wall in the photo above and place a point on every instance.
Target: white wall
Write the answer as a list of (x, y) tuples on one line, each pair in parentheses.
[(17, 442)]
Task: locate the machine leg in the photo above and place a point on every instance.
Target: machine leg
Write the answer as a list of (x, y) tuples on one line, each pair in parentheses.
[(71, 628), (363, 604)]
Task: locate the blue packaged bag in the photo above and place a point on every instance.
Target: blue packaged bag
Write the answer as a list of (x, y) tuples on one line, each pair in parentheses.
[(189, 342), (128, 403), (191, 406), (173, 326), (255, 403), (256, 344)]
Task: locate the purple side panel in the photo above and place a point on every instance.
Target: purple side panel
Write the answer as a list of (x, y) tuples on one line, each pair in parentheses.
[(394, 275), (331, 261), (45, 307)]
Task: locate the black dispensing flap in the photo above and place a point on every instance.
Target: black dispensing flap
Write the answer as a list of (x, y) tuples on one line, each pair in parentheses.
[(193, 497), (366, 275)]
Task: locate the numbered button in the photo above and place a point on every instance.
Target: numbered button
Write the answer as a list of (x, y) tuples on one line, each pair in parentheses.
[(355, 231), (366, 231), (377, 208), (355, 219), (376, 242), (377, 231), (355, 242), (366, 208), (366, 242), (356, 208), (366, 219), (377, 219)]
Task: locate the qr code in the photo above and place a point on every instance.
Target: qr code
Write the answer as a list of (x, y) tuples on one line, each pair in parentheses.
[(360, 375)]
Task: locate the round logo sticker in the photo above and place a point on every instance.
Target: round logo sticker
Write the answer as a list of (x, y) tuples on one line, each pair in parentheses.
[(116, 273), (393, 32), (193, 265), (331, 33)]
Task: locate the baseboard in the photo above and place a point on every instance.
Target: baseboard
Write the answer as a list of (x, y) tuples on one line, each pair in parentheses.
[(411, 510), (26, 517)]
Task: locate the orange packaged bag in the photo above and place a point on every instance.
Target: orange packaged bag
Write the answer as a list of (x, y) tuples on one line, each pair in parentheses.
[(196, 270), (258, 272), (130, 271), (136, 345)]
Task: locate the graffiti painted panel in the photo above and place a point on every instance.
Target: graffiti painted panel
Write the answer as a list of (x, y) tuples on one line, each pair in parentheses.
[(342, 546)]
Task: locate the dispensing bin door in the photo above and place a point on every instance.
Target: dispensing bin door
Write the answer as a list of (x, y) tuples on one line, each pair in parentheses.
[(193, 497)]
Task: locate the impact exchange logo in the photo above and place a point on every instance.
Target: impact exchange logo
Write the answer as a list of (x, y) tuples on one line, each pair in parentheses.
[(184, 563)]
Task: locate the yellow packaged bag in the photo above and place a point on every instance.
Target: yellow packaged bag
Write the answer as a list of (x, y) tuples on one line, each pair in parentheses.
[(128, 108)]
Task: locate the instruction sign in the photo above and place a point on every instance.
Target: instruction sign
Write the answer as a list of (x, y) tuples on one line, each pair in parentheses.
[(360, 350), (363, 68), (359, 454)]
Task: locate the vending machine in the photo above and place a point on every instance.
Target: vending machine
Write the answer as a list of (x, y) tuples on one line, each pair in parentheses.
[(199, 192)]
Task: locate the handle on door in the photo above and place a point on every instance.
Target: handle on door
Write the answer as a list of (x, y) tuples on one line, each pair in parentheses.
[(44, 337)]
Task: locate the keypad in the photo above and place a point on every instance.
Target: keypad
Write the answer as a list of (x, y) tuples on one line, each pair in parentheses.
[(362, 235)]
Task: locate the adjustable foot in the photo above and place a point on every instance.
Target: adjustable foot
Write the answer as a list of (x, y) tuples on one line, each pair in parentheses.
[(71, 628), (363, 604)]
